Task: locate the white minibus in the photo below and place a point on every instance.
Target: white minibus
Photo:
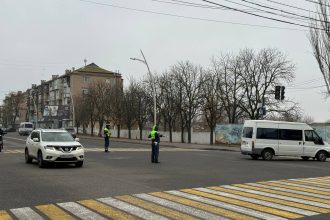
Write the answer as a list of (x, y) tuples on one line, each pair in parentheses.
[(263, 138), (25, 128)]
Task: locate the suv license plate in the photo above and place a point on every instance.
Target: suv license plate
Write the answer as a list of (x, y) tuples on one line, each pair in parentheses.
[(66, 156)]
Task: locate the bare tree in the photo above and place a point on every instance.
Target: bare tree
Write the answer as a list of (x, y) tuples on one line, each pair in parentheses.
[(228, 70), (212, 105), (81, 115), (190, 82), (129, 108), (11, 107), (116, 102), (142, 102), (260, 73), (319, 36), (167, 94)]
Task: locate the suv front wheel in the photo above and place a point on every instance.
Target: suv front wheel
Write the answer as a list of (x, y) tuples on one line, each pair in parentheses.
[(41, 162), (28, 159)]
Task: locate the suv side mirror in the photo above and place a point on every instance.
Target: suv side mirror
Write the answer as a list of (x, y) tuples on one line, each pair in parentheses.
[(35, 139), (76, 139)]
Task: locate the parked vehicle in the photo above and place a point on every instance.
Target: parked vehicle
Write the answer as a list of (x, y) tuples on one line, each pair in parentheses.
[(25, 128), (72, 131), (53, 146), (262, 138)]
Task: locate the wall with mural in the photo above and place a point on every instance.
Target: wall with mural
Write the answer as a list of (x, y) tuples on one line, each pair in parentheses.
[(228, 133), (323, 130)]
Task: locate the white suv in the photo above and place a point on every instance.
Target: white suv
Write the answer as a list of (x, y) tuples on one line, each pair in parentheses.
[(53, 145)]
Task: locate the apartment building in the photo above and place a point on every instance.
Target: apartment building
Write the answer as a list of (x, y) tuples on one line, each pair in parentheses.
[(50, 104)]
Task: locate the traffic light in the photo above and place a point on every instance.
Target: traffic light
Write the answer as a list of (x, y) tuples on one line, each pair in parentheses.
[(282, 92), (277, 92)]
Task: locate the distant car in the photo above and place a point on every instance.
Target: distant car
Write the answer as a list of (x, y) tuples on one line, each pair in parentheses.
[(53, 146), (10, 130), (72, 131), (25, 128)]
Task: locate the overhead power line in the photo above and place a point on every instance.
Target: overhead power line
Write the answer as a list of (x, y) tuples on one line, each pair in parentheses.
[(261, 16), (187, 17), (291, 6), (283, 11)]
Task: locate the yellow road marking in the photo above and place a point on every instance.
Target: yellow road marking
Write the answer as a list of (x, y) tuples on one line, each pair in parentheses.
[(106, 210), (170, 213), (202, 206), (54, 212), (307, 184), (244, 204), (274, 200), (4, 215), (297, 188), (284, 193)]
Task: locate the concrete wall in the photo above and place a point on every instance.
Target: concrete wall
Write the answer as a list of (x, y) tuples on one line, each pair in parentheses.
[(196, 137)]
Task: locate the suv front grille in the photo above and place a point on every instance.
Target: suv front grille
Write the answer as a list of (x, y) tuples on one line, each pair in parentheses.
[(66, 149)]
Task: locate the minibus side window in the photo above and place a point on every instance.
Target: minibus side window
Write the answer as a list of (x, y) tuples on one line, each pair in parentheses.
[(267, 133), (247, 132), (291, 134)]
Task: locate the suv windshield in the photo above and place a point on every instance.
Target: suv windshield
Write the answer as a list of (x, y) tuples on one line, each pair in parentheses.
[(56, 137)]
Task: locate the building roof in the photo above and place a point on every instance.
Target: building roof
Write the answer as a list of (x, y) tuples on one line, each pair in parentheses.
[(93, 68)]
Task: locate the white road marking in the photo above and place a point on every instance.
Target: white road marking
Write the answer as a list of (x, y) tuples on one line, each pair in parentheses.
[(289, 190), (182, 208), (228, 206), (260, 202), (80, 211), (139, 212), (306, 202), (26, 213), (23, 140)]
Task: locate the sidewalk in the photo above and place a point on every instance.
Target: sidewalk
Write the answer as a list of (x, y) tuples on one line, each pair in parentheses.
[(221, 147)]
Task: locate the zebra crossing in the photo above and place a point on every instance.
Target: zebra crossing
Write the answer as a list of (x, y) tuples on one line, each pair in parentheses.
[(267, 200), (167, 149)]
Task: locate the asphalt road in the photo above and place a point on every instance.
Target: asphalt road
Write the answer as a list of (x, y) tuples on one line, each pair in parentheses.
[(127, 170)]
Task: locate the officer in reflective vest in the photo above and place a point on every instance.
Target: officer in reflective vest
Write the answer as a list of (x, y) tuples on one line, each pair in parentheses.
[(107, 135), (155, 139)]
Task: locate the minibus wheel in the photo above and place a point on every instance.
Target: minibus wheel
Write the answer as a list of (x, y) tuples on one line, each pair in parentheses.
[(267, 154), (321, 156)]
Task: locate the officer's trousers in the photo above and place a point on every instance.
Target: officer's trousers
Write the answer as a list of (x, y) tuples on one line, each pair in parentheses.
[(154, 152)]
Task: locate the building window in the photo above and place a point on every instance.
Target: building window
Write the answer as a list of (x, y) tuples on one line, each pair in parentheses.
[(84, 91), (86, 79)]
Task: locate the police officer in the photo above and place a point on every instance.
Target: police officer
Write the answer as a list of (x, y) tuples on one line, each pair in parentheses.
[(107, 134), (155, 139)]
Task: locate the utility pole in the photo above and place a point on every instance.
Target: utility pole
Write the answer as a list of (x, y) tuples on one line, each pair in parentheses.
[(152, 80)]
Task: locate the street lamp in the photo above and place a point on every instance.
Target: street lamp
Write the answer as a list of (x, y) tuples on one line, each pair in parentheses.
[(152, 82), (36, 110)]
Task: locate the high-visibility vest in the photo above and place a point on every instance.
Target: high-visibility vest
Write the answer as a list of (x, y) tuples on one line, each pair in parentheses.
[(107, 132), (153, 134)]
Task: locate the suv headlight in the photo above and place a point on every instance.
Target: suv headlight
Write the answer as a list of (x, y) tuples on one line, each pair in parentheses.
[(49, 148), (80, 147)]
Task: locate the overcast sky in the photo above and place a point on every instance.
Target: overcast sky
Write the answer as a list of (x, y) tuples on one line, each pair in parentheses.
[(40, 38)]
